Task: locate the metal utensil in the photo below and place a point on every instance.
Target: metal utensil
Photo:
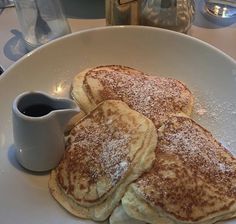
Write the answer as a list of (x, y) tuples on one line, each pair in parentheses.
[(41, 27), (41, 21)]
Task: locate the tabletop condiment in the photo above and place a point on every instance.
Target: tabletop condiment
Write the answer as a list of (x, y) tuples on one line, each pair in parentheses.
[(169, 14), (39, 122)]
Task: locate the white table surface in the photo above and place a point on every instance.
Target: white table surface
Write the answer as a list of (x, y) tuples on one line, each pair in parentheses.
[(83, 14)]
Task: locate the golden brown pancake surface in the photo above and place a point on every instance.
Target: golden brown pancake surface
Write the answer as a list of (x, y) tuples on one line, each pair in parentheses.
[(153, 96), (193, 179), (106, 150)]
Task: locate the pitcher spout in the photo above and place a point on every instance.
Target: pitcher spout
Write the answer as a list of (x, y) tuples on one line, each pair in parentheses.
[(43, 118), (68, 110)]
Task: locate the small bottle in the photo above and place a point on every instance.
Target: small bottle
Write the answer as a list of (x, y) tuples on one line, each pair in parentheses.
[(122, 12), (41, 21), (169, 14)]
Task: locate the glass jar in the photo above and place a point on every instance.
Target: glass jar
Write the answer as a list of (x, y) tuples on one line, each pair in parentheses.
[(41, 21), (175, 15), (122, 12), (224, 9), (170, 14)]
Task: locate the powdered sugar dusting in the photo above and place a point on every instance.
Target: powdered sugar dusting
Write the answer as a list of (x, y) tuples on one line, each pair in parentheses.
[(154, 97), (105, 143), (112, 159), (218, 116), (98, 153), (193, 175), (198, 150)]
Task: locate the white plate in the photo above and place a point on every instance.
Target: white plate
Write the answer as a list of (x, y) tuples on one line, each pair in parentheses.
[(209, 73)]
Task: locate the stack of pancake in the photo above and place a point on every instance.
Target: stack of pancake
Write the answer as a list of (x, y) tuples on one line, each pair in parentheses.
[(137, 157)]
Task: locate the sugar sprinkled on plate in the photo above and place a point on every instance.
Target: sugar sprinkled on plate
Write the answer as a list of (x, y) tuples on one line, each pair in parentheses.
[(216, 116)]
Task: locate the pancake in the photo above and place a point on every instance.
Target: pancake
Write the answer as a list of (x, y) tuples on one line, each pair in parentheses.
[(193, 179), (155, 97), (106, 150), (119, 216)]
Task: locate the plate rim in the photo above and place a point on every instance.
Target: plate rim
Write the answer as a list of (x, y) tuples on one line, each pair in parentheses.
[(117, 27)]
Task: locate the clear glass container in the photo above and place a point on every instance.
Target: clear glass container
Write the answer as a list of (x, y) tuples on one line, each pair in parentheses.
[(5, 4), (169, 14), (41, 21), (175, 15), (122, 12), (221, 8)]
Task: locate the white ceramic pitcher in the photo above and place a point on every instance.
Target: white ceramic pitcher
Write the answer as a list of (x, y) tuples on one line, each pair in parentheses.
[(39, 121)]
